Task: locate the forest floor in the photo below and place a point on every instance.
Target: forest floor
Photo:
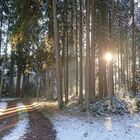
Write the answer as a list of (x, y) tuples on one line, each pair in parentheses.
[(25, 120), (87, 127), (122, 122), (20, 120)]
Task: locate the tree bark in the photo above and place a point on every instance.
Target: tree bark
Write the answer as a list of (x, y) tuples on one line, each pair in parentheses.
[(11, 81), (81, 55), (87, 88), (1, 22), (66, 77), (133, 50), (93, 14), (57, 55), (4, 61), (18, 81), (76, 46)]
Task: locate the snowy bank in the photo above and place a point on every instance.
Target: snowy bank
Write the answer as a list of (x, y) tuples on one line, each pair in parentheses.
[(3, 106), (8, 99), (87, 128), (21, 126), (122, 103)]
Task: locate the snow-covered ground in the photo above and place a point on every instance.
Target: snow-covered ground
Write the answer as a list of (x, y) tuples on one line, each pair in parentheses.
[(88, 128), (8, 99), (3, 106), (21, 126)]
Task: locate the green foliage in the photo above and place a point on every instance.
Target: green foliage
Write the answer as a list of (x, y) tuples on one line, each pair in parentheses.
[(33, 49)]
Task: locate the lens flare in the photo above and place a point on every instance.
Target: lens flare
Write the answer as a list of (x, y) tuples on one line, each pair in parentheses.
[(108, 56)]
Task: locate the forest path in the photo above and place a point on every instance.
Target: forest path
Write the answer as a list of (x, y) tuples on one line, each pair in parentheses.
[(22, 121), (8, 119), (40, 127)]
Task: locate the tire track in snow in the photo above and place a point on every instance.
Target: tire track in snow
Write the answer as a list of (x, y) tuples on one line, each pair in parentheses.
[(21, 126), (8, 118)]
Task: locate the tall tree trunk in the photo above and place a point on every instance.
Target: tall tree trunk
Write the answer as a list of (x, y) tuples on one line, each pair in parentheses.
[(71, 56), (111, 49), (133, 50), (1, 22), (76, 44), (11, 81), (66, 83), (37, 84), (71, 25), (57, 51), (66, 69), (127, 71), (87, 88), (4, 61), (100, 74), (22, 93), (93, 14), (102, 49), (52, 84), (81, 55), (63, 49), (50, 16), (18, 81), (28, 84)]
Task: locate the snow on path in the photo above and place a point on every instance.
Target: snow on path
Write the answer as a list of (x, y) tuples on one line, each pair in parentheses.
[(3, 106), (109, 128), (21, 126)]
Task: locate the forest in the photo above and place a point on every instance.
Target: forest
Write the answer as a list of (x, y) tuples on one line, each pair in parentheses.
[(73, 56)]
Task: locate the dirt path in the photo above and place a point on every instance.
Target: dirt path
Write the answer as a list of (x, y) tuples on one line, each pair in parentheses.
[(9, 119), (40, 128)]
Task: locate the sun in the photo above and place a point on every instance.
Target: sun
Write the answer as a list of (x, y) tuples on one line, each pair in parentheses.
[(108, 56)]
